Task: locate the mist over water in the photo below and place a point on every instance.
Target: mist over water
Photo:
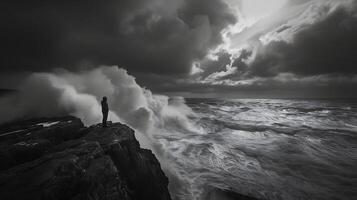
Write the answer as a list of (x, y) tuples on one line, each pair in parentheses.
[(269, 149)]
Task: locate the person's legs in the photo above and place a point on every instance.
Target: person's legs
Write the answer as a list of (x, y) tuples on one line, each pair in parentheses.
[(105, 117)]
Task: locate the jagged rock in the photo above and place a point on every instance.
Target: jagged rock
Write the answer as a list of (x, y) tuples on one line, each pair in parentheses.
[(65, 160), (27, 140)]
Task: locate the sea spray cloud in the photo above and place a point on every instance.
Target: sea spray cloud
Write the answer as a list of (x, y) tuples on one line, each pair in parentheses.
[(46, 94), (67, 93), (63, 92)]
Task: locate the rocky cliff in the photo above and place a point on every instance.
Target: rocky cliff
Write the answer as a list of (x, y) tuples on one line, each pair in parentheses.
[(59, 158)]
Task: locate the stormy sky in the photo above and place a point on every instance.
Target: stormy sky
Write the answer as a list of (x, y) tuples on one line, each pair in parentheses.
[(193, 48)]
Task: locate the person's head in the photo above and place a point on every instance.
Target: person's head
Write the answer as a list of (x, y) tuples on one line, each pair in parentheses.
[(104, 98)]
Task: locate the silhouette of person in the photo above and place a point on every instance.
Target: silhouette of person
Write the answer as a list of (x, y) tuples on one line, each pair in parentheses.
[(105, 110)]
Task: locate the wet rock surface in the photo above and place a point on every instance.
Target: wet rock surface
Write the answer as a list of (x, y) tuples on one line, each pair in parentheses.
[(59, 158)]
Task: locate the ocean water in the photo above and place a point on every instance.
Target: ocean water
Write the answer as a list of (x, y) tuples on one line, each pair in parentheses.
[(265, 148)]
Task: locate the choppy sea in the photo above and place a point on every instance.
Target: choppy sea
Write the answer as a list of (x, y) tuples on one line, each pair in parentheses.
[(265, 148)]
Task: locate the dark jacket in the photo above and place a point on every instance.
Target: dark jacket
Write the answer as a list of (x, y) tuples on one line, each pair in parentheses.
[(105, 108)]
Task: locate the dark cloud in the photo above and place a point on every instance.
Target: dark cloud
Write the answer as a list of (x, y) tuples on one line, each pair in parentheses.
[(220, 61), (154, 36), (241, 61), (210, 66), (325, 47)]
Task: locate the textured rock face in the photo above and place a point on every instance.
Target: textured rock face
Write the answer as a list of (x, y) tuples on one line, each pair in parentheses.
[(219, 194), (59, 158)]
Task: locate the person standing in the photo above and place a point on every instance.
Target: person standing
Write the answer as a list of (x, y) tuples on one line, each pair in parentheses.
[(105, 110)]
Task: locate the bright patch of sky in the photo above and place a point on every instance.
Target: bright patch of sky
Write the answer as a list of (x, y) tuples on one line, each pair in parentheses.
[(251, 11), (260, 8), (253, 16)]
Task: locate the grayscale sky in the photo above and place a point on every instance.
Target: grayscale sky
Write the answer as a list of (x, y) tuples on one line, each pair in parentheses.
[(192, 48)]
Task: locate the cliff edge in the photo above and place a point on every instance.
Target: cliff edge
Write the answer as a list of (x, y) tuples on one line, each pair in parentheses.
[(59, 158)]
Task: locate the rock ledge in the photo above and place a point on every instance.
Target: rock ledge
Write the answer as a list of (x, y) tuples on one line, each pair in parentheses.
[(59, 158)]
